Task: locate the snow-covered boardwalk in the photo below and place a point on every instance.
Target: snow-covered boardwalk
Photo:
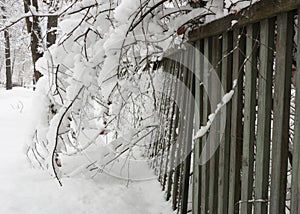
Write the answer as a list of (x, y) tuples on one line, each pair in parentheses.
[(24, 190)]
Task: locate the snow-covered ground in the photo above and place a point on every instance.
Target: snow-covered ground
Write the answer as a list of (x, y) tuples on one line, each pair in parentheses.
[(24, 190)]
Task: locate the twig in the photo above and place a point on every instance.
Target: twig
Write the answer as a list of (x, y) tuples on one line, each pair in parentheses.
[(57, 130)]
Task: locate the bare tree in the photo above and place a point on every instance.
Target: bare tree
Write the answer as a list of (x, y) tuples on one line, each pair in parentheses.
[(7, 53), (33, 28), (52, 22), (7, 61)]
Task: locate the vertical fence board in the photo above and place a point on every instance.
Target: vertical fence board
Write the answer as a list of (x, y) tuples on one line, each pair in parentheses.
[(267, 29), (236, 122), (198, 119), (249, 118), (205, 167), (214, 93), (177, 172), (189, 129), (280, 139), (295, 200), (172, 106), (164, 113), (184, 131), (225, 143), (174, 127)]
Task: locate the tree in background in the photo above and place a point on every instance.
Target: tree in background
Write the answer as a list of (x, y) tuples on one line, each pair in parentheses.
[(7, 61), (19, 42), (53, 7), (8, 69), (33, 28)]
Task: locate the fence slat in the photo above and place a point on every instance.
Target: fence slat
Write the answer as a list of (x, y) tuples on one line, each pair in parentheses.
[(236, 122), (205, 168), (249, 118), (214, 93), (178, 166), (267, 29), (188, 130), (295, 200), (225, 143), (184, 130), (164, 113), (174, 127), (172, 106), (280, 138), (198, 120)]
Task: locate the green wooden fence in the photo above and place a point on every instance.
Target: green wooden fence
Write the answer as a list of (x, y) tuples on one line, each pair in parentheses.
[(249, 172)]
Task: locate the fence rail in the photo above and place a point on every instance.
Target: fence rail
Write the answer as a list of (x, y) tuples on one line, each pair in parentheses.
[(256, 168)]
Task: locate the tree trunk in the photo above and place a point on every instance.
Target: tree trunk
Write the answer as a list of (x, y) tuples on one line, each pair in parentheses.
[(7, 61), (27, 3), (7, 54), (33, 28), (52, 23), (51, 30)]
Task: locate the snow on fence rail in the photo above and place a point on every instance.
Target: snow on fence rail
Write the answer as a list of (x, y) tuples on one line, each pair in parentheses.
[(257, 165)]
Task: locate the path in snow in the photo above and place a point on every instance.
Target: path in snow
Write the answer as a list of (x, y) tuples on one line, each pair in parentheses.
[(27, 191)]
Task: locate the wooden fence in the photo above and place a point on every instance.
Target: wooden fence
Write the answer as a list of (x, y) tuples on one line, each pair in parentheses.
[(256, 166)]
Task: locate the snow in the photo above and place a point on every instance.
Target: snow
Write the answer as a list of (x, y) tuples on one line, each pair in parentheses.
[(233, 22), (225, 99), (125, 9), (33, 191)]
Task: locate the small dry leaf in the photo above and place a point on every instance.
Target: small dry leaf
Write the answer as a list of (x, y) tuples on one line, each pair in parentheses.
[(181, 30), (58, 162)]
